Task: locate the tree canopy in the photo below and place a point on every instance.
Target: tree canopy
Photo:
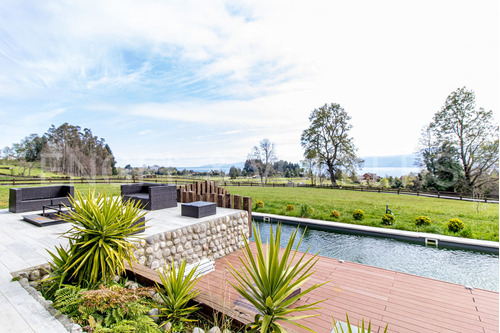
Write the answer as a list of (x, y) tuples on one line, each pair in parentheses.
[(461, 144), (327, 140)]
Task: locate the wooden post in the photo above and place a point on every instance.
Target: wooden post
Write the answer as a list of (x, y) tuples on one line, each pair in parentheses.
[(229, 200), (185, 196), (179, 194), (237, 202), (221, 200), (198, 197), (206, 197), (213, 197), (191, 196), (247, 205)]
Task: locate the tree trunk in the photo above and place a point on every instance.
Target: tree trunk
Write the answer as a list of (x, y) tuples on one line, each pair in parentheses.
[(332, 175)]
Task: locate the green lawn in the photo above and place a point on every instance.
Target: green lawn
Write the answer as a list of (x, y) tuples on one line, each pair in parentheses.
[(110, 189), (482, 225)]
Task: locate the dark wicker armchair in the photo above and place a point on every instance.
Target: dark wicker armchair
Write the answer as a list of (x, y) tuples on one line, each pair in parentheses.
[(151, 196)]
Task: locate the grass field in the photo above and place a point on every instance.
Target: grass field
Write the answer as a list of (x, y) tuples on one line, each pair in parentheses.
[(480, 225)]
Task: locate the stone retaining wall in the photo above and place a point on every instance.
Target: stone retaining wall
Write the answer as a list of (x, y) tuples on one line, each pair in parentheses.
[(211, 239)]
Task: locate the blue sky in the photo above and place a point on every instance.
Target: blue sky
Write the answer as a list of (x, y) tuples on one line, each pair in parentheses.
[(188, 83)]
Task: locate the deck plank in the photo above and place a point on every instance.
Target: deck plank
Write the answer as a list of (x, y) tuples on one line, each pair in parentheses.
[(407, 302)]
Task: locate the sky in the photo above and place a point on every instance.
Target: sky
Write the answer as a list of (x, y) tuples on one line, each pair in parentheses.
[(190, 83)]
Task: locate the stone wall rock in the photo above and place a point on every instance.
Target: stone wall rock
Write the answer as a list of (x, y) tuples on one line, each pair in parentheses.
[(211, 239)]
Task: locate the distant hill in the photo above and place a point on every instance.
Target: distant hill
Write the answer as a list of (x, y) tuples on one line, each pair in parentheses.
[(215, 166), (395, 161)]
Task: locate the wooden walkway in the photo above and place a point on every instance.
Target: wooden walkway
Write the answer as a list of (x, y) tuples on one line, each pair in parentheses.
[(406, 302)]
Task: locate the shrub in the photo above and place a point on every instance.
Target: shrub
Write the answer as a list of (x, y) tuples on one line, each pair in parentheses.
[(290, 208), (358, 214), (335, 214), (176, 293), (101, 237), (268, 279), (259, 204), (422, 221), (107, 309), (455, 225), (306, 211), (388, 219)]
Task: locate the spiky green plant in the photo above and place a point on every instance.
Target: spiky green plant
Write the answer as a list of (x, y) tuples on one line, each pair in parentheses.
[(267, 281), (176, 292), (101, 237), (337, 328), (58, 275)]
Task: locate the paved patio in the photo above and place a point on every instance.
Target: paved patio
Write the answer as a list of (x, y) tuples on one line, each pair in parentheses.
[(24, 245)]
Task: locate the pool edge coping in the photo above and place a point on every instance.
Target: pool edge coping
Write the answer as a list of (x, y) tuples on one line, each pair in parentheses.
[(411, 236)]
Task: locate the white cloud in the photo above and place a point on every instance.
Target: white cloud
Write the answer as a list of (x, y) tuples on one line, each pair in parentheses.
[(251, 69)]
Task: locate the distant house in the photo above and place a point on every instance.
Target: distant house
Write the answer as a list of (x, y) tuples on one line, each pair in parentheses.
[(370, 176)]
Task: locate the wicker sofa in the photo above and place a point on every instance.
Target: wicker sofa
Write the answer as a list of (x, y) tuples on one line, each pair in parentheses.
[(151, 196), (27, 199)]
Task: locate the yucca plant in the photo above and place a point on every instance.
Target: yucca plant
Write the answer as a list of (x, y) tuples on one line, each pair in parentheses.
[(337, 327), (101, 237), (176, 292), (58, 275), (267, 281)]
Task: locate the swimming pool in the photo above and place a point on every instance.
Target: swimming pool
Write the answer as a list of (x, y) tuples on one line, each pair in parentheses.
[(469, 268)]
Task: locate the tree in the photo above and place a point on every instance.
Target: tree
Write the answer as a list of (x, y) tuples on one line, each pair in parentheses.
[(470, 134), (234, 172), (327, 139), (262, 158)]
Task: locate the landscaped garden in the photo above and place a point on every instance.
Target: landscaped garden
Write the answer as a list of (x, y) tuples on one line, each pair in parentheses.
[(480, 219), (87, 282)]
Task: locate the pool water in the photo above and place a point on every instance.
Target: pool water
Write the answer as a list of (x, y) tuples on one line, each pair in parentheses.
[(468, 268)]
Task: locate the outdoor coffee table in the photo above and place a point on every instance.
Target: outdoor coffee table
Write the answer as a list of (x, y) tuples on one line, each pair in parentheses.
[(198, 209), (47, 218)]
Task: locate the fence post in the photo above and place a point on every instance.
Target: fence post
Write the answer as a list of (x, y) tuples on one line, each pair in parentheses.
[(247, 205)]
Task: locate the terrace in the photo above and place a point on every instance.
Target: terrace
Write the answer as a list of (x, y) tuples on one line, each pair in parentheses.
[(407, 302)]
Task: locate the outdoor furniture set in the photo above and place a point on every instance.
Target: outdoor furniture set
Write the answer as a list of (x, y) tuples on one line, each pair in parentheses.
[(151, 196)]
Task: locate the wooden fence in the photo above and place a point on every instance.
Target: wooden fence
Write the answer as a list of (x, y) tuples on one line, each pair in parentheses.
[(179, 180)]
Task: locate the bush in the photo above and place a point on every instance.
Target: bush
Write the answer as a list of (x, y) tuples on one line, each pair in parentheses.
[(455, 225), (335, 214), (177, 291), (306, 211), (259, 204), (107, 309), (358, 215), (388, 219), (266, 281), (422, 221), (290, 208), (101, 237)]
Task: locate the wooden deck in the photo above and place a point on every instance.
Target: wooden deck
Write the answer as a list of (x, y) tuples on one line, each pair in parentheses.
[(406, 302)]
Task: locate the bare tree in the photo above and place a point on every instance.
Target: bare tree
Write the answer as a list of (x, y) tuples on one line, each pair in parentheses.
[(262, 158)]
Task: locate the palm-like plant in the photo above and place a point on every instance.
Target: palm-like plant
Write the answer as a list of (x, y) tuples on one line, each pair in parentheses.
[(101, 237), (337, 327), (177, 291), (268, 281)]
